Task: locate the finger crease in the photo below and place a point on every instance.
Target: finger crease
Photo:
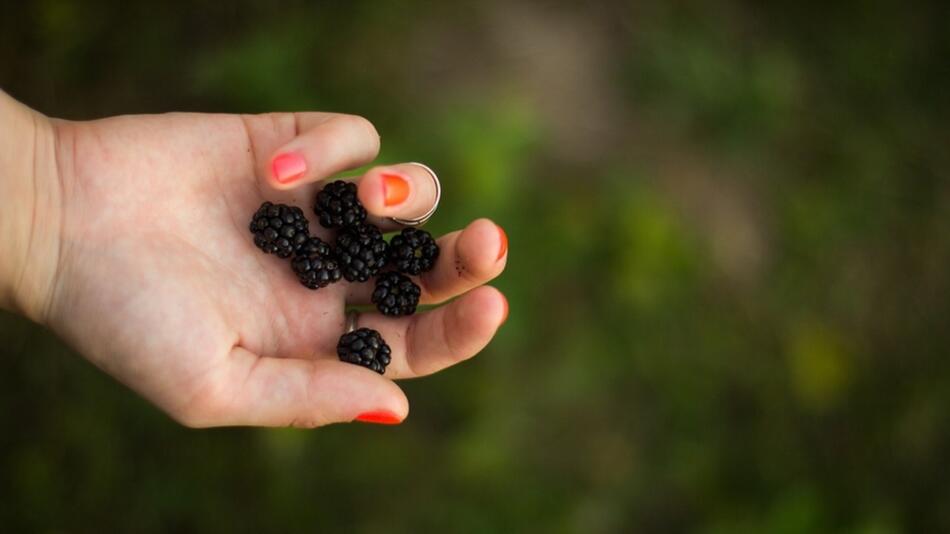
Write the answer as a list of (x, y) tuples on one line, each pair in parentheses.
[(446, 338), (410, 346)]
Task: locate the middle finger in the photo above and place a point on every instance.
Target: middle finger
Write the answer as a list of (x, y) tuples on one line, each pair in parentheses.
[(467, 259)]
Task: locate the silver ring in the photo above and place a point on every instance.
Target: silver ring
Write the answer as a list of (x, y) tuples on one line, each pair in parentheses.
[(419, 221), (351, 318)]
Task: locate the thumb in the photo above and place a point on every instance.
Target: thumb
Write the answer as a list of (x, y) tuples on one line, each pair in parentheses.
[(264, 391), (293, 149)]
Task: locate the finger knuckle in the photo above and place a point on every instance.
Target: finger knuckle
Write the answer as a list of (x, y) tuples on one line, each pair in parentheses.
[(363, 124), (204, 410), (360, 126), (191, 418), (450, 325), (307, 422)]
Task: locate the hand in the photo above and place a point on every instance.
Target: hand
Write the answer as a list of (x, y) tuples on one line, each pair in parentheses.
[(158, 283)]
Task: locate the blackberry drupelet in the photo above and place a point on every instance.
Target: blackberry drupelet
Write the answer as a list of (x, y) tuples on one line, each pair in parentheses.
[(338, 207), (315, 264), (396, 294), (361, 252), (279, 229), (413, 251), (364, 347)]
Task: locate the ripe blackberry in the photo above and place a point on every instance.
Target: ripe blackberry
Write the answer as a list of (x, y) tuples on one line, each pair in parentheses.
[(338, 207), (364, 347), (413, 251), (361, 252), (315, 264), (396, 294), (279, 229)]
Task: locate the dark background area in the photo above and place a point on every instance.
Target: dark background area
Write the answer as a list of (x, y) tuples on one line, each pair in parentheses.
[(728, 277)]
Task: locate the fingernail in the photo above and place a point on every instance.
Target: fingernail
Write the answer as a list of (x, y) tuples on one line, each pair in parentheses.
[(504, 316), (504, 243), (288, 167), (381, 417), (395, 189)]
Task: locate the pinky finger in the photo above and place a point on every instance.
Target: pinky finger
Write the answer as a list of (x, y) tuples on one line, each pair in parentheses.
[(441, 337)]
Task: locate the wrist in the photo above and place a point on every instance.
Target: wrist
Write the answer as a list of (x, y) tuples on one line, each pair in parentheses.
[(30, 217)]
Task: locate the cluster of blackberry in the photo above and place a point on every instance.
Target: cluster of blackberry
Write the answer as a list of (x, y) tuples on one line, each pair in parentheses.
[(358, 254)]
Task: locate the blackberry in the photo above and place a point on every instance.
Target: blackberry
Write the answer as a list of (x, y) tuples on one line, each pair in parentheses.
[(315, 264), (279, 229), (364, 347), (396, 294), (361, 252), (413, 251), (338, 207)]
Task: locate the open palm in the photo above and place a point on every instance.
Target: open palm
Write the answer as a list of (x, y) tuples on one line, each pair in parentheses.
[(160, 285)]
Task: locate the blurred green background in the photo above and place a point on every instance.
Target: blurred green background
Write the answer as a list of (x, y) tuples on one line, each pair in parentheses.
[(728, 278)]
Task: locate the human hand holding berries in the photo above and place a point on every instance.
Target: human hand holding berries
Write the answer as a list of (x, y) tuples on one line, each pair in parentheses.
[(143, 263)]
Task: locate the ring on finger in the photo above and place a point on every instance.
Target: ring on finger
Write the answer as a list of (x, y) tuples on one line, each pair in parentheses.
[(419, 221)]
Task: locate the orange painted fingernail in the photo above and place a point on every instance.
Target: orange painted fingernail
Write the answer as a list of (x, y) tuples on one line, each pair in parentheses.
[(288, 167), (504, 316), (395, 189), (504, 243), (381, 417)]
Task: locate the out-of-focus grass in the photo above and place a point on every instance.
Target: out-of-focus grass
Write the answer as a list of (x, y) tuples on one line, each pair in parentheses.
[(727, 278)]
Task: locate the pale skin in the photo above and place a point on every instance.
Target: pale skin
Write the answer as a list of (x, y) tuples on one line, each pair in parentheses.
[(128, 237)]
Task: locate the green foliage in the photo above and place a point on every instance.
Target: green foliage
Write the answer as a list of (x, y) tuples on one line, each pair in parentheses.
[(727, 279)]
